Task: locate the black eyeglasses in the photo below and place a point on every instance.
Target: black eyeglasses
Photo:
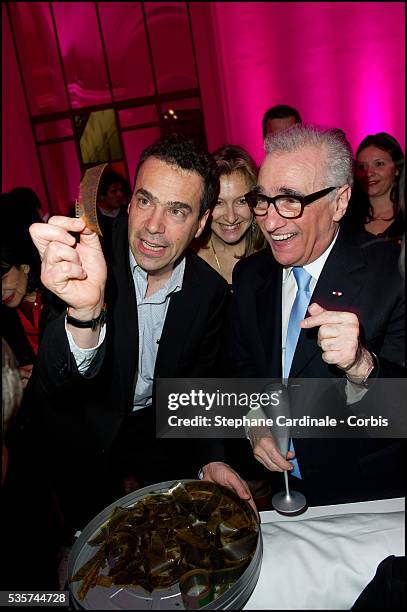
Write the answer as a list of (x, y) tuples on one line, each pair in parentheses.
[(287, 206)]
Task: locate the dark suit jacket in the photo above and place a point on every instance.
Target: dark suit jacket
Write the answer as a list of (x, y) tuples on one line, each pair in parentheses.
[(12, 331), (365, 271), (82, 415), (107, 225)]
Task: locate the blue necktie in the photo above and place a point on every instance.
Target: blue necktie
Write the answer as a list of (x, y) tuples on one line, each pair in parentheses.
[(298, 311)]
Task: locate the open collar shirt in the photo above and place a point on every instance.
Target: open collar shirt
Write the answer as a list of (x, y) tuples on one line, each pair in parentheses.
[(151, 311)]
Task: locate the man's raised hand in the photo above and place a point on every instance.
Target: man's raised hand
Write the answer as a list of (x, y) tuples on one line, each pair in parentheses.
[(339, 340), (74, 271)]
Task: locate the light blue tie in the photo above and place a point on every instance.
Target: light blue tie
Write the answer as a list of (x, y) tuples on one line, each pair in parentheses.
[(298, 311)]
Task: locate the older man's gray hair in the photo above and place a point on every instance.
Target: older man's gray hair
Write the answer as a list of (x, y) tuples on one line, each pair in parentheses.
[(338, 156)]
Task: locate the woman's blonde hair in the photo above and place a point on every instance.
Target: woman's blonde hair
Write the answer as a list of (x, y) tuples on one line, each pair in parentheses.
[(232, 158)]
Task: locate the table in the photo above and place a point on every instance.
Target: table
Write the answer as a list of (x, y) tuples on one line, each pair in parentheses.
[(323, 558)]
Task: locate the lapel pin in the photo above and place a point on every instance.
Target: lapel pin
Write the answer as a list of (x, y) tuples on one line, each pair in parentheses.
[(337, 293)]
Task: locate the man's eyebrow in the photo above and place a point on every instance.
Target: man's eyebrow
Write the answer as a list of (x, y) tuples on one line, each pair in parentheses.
[(289, 191), (146, 194), (177, 204), (170, 203), (283, 190)]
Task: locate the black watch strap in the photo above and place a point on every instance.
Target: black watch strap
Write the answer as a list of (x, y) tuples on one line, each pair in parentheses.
[(92, 324)]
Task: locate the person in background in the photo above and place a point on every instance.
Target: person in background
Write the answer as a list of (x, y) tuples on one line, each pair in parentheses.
[(376, 205), (30, 527), (113, 195), (20, 207), (112, 202), (21, 307), (279, 118), (11, 394), (402, 258), (28, 204), (232, 232)]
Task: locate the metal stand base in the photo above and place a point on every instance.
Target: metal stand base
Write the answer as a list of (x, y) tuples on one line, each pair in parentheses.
[(288, 503)]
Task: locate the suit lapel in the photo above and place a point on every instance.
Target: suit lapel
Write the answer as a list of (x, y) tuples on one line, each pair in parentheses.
[(269, 321), (338, 287), (182, 311), (125, 322)]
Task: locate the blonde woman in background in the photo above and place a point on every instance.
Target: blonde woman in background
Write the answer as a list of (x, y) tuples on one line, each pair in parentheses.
[(232, 234), (232, 230)]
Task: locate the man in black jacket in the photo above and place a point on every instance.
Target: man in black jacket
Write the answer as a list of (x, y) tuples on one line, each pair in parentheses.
[(112, 202), (351, 327), (160, 315)]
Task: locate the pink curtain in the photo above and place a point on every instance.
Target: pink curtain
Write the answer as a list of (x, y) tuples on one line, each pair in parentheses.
[(20, 166), (340, 64)]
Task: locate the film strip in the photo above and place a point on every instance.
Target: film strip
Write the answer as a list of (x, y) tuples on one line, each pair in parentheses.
[(86, 205), (196, 589)]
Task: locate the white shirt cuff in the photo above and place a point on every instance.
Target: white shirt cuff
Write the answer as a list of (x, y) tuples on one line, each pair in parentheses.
[(84, 356)]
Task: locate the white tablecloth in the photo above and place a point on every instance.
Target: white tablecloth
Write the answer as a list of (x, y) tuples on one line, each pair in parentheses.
[(323, 559)]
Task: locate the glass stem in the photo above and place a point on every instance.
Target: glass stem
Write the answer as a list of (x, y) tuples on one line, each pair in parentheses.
[(287, 490)]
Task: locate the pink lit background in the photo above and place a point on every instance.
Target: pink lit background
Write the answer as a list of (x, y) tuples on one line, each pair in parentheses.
[(340, 64)]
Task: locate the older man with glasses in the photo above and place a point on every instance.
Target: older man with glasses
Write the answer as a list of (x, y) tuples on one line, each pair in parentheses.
[(320, 303)]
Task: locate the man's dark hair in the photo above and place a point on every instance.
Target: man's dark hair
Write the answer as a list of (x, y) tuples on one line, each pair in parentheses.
[(182, 152), (17, 254), (109, 177), (281, 111), (27, 200), (18, 212)]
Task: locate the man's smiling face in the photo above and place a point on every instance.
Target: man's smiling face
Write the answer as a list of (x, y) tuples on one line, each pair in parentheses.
[(296, 242)]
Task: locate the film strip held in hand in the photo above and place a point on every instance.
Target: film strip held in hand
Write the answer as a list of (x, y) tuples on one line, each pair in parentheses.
[(86, 205)]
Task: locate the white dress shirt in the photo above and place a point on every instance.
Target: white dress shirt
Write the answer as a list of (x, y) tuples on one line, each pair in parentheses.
[(152, 311), (353, 391), (289, 291)]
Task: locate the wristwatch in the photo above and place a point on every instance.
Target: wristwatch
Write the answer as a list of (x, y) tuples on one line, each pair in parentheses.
[(372, 372), (92, 324)]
